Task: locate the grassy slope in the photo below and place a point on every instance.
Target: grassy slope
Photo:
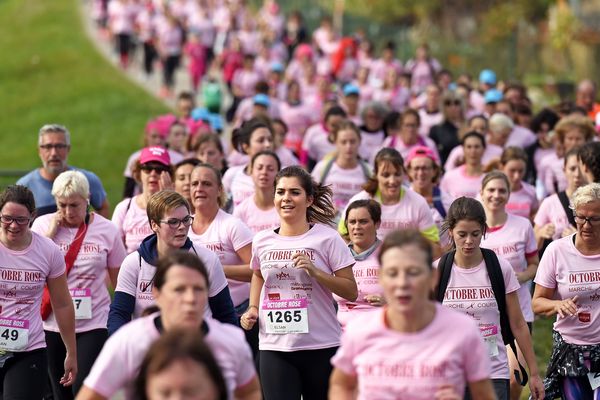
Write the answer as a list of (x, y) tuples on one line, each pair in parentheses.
[(50, 72)]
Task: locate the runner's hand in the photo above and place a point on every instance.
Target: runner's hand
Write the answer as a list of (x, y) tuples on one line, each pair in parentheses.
[(302, 261), (70, 370), (376, 300), (547, 231), (249, 318), (567, 307), (165, 182), (536, 387)]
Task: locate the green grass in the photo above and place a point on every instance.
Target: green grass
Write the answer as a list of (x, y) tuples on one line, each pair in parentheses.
[(51, 73)]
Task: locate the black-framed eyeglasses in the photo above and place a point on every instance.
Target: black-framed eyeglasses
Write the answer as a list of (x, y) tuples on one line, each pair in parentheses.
[(159, 169), (8, 219), (452, 102), (582, 220), (175, 223), (55, 146)]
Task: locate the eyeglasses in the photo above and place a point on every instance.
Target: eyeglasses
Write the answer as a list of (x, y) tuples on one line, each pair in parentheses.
[(452, 102), (7, 219), (55, 146), (175, 223), (582, 220), (157, 168), (423, 168)]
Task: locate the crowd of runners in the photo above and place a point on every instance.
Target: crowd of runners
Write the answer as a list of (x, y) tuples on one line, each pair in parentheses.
[(317, 219)]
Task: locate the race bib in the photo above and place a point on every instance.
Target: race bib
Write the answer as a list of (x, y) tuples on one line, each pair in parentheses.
[(285, 316), (14, 334), (82, 302), (489, 333), (594, 379)]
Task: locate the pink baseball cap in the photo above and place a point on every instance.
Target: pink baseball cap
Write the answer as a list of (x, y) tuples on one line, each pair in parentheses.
[(155, 153), (421, 151)]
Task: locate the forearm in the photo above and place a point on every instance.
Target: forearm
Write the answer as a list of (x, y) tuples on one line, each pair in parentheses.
[(65, 318), (544, 306), (340, 392), (256, 285), (240, 272), (523, 337), (528, 274), (343, 287)]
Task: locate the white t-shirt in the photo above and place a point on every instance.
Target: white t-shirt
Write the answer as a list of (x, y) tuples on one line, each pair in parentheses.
[(136, 278)]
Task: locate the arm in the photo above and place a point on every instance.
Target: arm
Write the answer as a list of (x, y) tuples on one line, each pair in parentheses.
[(121, 308), (342, 386), (544, 303), (521, 333), (62, 305), (532, 265), (250, 317), (85, 393), (221, 307), (482, 390), (241, 272), (250, 391), (543, 232), (113, 274), (341, 282)]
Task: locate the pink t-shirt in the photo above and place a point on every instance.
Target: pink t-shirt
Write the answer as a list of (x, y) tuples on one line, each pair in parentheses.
[(23, 274), (370, 144), (226, 235), (491, 151), (132, 223), (316, 143), (551, 172), (514, 241), (285, 285), (552, 211), (428, 120), (344, 183), (520, 137), (256, 219), (119, 361), (136, 278), (522, 201), (102, 248), (245, 80), (395, 365), (470, 291), (571, 273), (457, 183), (411, 212), (121, 16), (297, 118), (397, 143), (238, 184), (366, 275)]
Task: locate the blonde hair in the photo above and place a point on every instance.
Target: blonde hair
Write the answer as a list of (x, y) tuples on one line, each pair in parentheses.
[(586, 194), (71, 183)]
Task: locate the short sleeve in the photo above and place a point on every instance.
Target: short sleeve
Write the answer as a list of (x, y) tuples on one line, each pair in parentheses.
[(239, 234), (97, 192), (128, 274), (57, 261), (476, 361), (546, 272), (216, 275), (116, 250), (345, 355), (107, 375), (542, 217), (118, 217), (40, 225), (338, 253), (530, 244), (255, 259), (510, 278)]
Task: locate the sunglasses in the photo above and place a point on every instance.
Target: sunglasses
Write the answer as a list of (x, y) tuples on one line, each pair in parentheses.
[(452, 102), (159, 169)]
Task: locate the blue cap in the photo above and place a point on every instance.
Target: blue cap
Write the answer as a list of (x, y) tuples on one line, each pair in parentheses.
[(492, 96), (350, 89), (200, 114), (276, 66), (261, 100), (487, 76)]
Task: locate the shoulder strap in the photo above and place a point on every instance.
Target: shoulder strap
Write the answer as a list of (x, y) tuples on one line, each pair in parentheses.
[(444, 270), (365, 168), (326, 169), (437, 201), (566, 204), (492, 264)]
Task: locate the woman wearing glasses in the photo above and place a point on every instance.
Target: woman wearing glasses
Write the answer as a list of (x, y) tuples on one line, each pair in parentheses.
[(568, 286), (92, 250), (28, 261), (445, 134), (403, 131), (170, 220), (154, 172)]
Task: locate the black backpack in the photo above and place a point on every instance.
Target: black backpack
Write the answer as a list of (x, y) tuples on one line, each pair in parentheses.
[(495, 273)]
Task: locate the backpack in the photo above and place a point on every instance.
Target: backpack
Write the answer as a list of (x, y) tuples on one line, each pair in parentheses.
[(211, 95), (497, 280), (364, 166)]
